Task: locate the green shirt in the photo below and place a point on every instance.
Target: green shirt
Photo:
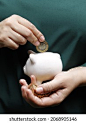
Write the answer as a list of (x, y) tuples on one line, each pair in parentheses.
[(63, 23)]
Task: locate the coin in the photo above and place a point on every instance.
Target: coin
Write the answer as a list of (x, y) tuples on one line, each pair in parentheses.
[(43, 47)]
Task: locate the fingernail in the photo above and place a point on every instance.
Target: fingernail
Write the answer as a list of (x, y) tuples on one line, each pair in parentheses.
[(39, 90), (22, 80), (42, 38), (37, 43)]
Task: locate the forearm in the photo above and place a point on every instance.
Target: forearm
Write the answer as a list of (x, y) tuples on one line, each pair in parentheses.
[(79, 73)]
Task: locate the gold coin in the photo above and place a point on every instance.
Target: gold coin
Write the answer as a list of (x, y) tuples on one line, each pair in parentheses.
[(43, 47)]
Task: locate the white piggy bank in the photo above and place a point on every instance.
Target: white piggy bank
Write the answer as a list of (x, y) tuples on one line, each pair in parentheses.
[(43, 65)]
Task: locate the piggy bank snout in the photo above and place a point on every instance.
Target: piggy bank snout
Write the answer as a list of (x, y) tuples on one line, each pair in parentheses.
[(30, 62), (24, 69)]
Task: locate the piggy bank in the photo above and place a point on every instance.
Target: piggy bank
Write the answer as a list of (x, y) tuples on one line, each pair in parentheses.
[(44, 66)]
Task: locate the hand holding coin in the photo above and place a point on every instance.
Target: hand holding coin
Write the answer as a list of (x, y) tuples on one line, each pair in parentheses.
[(33, 88)]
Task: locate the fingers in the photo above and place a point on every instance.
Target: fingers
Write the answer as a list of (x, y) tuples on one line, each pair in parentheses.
[(25, 32), (16, 37), (29, 97), (23, 82), (33, 100), (30, 26), (24, 94), (31, 38), (11, 44)]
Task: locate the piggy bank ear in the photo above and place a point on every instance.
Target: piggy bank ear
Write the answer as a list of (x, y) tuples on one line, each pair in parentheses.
[(32, 58), (30, 51)]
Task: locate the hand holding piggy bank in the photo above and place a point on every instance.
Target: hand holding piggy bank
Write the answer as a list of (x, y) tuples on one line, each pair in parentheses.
[(44, 66)]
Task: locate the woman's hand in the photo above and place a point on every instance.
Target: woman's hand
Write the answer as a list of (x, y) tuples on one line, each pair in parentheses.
[(15, 31), (61, 86)]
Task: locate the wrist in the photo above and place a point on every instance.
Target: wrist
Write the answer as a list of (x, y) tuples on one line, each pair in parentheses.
[(79, 75), (82, 76)]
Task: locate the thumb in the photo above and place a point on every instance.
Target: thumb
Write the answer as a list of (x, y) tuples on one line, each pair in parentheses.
[(47, 87)]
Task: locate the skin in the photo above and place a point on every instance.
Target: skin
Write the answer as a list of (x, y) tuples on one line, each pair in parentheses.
[(61, 86), (16, 30)]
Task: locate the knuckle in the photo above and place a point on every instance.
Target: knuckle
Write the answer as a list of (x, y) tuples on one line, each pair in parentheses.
[(39, 34), (14, 16), (47, 88), (34, 41), (23, 41), (8, 22), (3, 38), (5, 30), (32, 26), (14, 47), (19, 37), (15, 27), (28, 33), (60, 100)]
